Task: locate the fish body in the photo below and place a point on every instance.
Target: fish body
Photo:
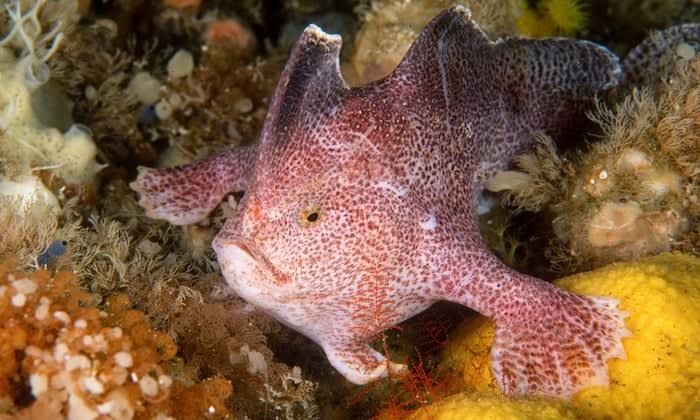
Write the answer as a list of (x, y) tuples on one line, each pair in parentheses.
[(55, 249), (360, 203)]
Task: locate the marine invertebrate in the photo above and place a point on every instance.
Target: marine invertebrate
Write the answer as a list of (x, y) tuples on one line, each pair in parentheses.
[(233, 31), (97, 74), (55, 249), (552, 17), (494, 407), (80, 362), (659, 378), (27, 190), (385, 177), (176, 291), (203, 118), (634, 192), (24, 138), (29, 228)]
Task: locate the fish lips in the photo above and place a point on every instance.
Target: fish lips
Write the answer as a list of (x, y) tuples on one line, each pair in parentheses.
[(243, 265)]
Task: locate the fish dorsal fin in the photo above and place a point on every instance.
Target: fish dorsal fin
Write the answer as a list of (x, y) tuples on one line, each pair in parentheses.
[(542, 84), (453, 31), (310, 83), (444, 57), (549, 84)]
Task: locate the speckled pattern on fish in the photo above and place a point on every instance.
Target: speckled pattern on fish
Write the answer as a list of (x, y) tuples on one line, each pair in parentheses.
[(360, 203)]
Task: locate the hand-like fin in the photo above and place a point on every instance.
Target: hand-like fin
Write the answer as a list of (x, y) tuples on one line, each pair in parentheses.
[(186, 194), (560, 345)]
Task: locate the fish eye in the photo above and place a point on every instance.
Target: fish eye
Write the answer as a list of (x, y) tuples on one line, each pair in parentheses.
[(310, 216)]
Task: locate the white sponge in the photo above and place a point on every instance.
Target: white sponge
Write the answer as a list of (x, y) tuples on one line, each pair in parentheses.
[(24, 140)]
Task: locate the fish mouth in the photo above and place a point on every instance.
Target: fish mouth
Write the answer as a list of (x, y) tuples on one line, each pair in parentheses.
[(245, 258)]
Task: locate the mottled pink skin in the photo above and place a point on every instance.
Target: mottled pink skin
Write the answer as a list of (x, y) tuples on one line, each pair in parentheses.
[(187, 194), (393, 170)]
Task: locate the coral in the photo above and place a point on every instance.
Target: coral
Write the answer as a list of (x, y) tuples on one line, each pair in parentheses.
[(166, 276), (632, 193), (97, 72), (202, 117), (24, 74), (80, 362), (389, 27), (662, 296), (552, 17)]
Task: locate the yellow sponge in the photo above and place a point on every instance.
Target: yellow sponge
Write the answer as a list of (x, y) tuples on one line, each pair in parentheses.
[(494, 407), (660, 378)]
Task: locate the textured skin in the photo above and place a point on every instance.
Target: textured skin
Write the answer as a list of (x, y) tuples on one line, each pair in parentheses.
[(644, 63), (360, 206), (187, 194)]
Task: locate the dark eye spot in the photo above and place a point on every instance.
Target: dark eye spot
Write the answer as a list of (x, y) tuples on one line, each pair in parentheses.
[(310, 216)]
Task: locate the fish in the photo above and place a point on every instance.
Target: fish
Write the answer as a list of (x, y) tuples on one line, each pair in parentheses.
[(360, 203), (55, 249)]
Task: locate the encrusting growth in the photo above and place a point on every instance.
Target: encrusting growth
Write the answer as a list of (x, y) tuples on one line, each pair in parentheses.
[(634, 192), (83, 363), (385, 177)]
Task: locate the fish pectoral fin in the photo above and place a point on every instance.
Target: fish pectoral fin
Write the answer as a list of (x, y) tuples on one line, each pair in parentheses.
[(561, 349), (358, 362), (187, 194)]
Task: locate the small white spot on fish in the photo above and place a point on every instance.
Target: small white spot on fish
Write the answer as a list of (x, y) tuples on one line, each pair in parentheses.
[(430, 223)]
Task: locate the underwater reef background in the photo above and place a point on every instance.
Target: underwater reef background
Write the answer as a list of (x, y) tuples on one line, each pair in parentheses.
[(107, 313)]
